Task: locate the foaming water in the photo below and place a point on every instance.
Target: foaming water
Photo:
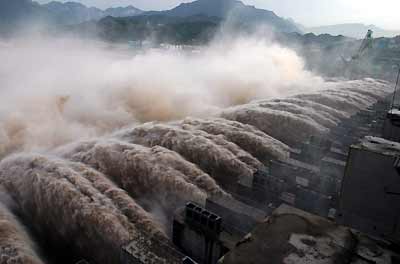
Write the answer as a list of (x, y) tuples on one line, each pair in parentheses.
[(70, 202), (295, 120), (249, 138), (15, 244)]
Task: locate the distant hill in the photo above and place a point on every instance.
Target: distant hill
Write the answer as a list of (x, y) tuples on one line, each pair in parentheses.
[(71, 12), (19, 13), (197, 29), (74, 13), (233, 10), (123, 11), (352, 30), (14, 13)]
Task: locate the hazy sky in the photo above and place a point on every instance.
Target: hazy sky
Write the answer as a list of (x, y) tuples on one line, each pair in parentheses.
[(383, 13)]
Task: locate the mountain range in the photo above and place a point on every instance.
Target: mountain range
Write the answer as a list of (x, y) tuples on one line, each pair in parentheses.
[(189, 23), (17, 12), (233, 11), (14, 13)]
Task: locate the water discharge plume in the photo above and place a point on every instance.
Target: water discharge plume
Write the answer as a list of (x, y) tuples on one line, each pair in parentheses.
[(377, 94), (123, 202), (322, 118), (15, 245), (334, 114), (377, 89), (333, 101), (74, 89), (137, 170), (190, 171), (74, 205), (249, 138), (291, 123), (284, 126), (356, 98), (366, 91), (223, 142), (349, 96), (213, 159)]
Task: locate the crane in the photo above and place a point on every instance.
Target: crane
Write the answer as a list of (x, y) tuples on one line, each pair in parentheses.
[(365, 45), (353, 66)]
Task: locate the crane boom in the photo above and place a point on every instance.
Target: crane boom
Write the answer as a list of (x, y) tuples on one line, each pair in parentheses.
[(365, 45)]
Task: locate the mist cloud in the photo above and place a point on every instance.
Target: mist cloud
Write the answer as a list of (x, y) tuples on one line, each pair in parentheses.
[(58, 90)]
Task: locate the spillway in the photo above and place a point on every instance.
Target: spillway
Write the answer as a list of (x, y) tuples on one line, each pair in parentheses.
[(96, 196)]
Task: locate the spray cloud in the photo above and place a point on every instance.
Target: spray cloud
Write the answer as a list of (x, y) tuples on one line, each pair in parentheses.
[(58, 90)]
